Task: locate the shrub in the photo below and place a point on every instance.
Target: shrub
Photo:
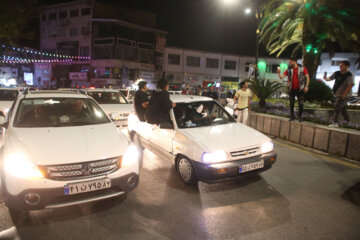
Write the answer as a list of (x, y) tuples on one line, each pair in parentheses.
[(318, 91)]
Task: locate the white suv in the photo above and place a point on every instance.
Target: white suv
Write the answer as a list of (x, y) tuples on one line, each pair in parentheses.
[(205, 142), (113, 103), (61, 149)]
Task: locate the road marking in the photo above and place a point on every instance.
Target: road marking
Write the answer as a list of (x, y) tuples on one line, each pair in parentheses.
[(312, 152)]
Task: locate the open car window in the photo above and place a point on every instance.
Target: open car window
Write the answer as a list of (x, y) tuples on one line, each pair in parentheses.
[(58, 112), (200, 114)]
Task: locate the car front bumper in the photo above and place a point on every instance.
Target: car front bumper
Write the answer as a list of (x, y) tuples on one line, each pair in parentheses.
[(54, 197), (212, 173)]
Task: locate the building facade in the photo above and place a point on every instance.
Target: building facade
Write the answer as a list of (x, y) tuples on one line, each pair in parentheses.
[(124, 44), (194, 68)]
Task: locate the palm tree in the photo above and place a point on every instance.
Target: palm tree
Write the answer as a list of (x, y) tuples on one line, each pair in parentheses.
[(310, 26), (263, 89)]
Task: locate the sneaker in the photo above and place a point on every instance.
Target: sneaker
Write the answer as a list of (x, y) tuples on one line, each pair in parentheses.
[(333, 125), (291, 119)]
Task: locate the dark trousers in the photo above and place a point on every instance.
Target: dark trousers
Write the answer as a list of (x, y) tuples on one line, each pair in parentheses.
[(340, 107), (300, 97)]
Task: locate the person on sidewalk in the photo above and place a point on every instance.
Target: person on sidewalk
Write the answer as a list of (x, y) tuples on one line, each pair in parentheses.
[(344, 81), (141, 101), (298, 84), (243, 107)]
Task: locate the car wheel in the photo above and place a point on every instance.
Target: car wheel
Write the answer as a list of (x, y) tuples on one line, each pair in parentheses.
[(137, 143), (186, 171)]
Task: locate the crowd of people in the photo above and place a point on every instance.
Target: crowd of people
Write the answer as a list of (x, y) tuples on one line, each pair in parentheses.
[(156, 109)]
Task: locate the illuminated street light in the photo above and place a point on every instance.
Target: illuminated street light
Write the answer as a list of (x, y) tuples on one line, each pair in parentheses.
[(247, 11), (228, 1)]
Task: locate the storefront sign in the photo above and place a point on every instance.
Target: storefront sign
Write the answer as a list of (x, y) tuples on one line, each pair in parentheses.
[(78, 75), (146, 75)]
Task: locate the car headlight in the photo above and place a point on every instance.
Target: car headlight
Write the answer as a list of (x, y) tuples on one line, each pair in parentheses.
[(267, 147), (17, 165), (131, 156), (217, 156)]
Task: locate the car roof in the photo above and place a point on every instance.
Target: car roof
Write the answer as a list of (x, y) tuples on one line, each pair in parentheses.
[(52, 93), (188, 98), (100, 90), (14, 89)]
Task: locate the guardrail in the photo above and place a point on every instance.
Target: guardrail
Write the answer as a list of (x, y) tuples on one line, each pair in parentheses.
[(337, 141)]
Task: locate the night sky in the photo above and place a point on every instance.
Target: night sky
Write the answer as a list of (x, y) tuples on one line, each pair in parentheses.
[(200, 24)]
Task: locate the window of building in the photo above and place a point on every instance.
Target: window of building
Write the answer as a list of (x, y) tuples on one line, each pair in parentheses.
[(62, 14), (272, 68), (43, 17), (104, 41), (192, 61), (52, 34), (74, 13), (230, 65), (62, 32), (125, 42), (74, 32), (85, 11), (85, 31), (174, 59), (52, 16), (335, 62), (212, 63), (84, 51), (247, 66), (146, 46)]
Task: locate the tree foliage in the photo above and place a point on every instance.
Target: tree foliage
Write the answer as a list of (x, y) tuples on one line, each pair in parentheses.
[(319, 92), (14, 18), (263, 89), (310, 26)]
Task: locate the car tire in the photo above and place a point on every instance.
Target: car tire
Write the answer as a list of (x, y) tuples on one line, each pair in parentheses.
[(137, 143), (186, 171)]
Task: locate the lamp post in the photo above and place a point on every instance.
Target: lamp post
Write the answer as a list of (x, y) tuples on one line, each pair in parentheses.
[(258, 16)]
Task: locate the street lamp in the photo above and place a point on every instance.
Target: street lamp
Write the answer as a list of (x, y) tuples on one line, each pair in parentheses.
[(247, 11)]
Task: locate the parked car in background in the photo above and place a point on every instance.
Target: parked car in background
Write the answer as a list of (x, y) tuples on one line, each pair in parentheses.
[(7, 98), (114, 104), (61, 149), (129, 94), (205, 142)]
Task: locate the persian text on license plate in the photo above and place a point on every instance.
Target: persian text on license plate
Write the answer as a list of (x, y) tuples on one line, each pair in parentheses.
[(251, 166), (82, 187)]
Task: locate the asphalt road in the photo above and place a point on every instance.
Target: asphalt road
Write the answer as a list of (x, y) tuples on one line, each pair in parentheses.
[(304, 196)]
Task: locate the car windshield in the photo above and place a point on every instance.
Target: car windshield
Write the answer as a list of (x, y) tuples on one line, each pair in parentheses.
[(58, 112), (200, 114), (108, 97), (8, 95)]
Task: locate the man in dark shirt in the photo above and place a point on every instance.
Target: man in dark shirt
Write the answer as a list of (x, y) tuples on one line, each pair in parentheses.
[(141, 101), (158, 110), (213, 94), (344, 81)]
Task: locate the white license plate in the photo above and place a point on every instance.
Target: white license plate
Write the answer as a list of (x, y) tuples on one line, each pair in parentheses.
[(251, 166), (82, 187)]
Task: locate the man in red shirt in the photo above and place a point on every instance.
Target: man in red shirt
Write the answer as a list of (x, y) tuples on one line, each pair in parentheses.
[(298, 84)]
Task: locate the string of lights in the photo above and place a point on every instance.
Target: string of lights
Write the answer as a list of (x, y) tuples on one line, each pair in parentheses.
[(42, 53), (12, 59)]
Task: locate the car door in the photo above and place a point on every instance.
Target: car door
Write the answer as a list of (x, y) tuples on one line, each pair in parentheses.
[(161, 139)]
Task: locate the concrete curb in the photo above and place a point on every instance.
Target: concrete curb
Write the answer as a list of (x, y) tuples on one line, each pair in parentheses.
[(344, 143)]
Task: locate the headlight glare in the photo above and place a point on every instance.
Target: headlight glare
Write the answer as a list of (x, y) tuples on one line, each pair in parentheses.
[(131, 156), (267, 147), (17, 165), (217, 156)]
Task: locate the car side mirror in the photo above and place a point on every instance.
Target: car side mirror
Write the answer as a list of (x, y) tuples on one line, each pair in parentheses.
[(114, 116), (166, 125)]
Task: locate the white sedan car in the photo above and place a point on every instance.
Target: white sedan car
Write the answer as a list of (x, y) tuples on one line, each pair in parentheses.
[(61, 149), (205, 142), (113, 103)]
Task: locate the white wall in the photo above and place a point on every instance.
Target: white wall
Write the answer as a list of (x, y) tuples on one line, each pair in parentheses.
[(173, 67)]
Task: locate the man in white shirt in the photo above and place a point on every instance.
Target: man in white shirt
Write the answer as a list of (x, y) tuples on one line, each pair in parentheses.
[(243, 107)]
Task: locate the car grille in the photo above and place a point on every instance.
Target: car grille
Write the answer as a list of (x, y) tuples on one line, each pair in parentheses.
[(81, 170), (245, 152)]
